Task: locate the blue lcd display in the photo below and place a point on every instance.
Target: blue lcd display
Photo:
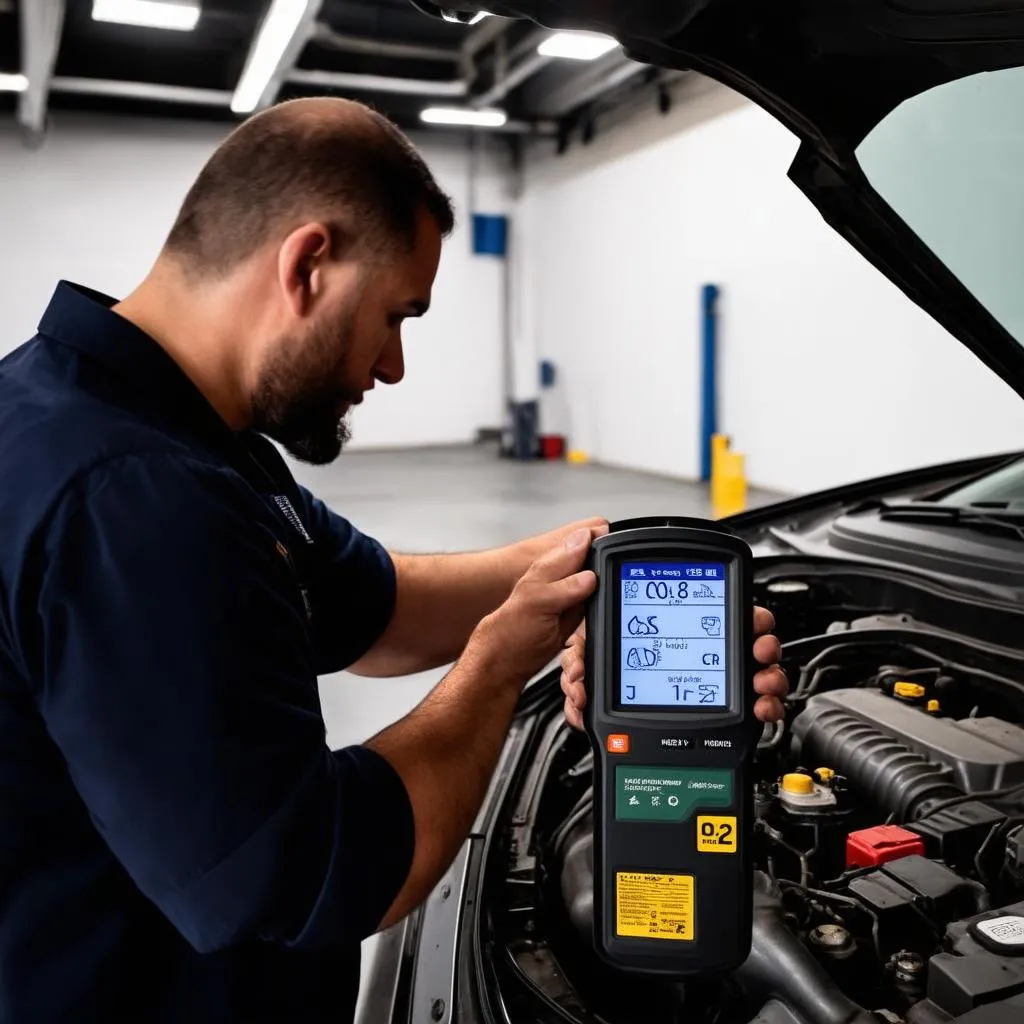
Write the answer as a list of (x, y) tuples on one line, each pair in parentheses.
[(673, 635)]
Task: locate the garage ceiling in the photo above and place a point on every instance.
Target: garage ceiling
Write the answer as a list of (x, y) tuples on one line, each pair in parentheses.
[(55, 54)]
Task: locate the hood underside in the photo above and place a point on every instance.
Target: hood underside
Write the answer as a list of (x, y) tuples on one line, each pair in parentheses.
[(830, 71)]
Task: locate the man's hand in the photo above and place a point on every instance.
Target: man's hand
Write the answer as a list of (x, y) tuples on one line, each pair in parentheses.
[(545, 606), (537, 546), (770, 683)]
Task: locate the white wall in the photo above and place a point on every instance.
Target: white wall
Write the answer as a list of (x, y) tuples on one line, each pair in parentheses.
[(94, 203), (828, 373)]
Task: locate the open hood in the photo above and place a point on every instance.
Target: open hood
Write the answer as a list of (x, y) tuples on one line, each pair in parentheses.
[(908, 150)]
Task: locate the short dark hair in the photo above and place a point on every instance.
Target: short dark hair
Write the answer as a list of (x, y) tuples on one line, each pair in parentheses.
[(301, 160)]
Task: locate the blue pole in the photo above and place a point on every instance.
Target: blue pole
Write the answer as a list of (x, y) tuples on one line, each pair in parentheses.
[(708, 395)]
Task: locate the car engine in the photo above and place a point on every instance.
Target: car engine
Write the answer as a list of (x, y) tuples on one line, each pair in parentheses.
[(889, 846)]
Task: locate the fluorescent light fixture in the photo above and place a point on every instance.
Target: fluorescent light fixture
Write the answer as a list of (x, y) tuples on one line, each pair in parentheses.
[(464, 117), (577, 45), (13, 83), (148, 13), (275, 36), (459, 19)]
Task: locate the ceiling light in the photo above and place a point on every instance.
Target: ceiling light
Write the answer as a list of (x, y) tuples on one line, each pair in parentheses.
[(458, 18), (147, 13), (577, 45), (13, 83), (464, 117), (276, 33)]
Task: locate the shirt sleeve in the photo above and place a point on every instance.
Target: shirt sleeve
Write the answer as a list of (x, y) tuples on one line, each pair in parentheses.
[(353, 588), (179, 683)]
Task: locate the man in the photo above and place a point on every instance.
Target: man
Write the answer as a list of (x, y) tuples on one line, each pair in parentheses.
[(178, 843)]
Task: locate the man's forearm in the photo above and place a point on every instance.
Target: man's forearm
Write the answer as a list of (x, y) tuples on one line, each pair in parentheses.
[(439, 601), (445, 752), (441, 598)]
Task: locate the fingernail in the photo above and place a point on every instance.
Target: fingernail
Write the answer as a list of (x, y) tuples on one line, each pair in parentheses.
[(577, 539)]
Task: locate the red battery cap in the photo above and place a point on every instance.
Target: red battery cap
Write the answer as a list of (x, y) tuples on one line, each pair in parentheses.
[(873, 846)]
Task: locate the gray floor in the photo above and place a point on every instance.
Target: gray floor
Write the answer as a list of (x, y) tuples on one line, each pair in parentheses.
[(459, 499)]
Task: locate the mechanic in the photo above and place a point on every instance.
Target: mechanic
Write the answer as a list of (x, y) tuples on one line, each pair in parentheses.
[(179, 843)]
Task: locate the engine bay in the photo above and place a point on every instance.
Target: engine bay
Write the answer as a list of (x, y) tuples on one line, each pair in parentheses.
[(889, 839)]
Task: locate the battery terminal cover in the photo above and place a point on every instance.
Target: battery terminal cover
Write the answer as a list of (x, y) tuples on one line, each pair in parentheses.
[(873, 846)]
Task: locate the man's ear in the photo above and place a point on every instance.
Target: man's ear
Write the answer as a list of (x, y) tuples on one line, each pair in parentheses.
[(301, 260)]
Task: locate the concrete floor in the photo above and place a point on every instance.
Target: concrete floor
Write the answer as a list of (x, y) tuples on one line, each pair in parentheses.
[(459, 499)]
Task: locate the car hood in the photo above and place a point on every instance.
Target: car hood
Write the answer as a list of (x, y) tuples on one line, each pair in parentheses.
[(829, 70)]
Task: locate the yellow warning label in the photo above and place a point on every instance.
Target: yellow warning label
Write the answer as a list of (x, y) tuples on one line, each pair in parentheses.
[(716, 833), (654, 906)]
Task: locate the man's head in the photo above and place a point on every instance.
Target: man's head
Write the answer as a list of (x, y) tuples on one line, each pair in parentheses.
[(331, 224)]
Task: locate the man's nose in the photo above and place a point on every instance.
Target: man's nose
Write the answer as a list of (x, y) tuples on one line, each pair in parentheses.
[(390, 367)]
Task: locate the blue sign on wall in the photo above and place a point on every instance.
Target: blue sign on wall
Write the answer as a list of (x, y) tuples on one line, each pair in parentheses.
[(490, 234)]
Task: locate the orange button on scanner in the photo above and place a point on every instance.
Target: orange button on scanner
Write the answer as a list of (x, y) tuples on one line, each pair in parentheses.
[(618, 743)]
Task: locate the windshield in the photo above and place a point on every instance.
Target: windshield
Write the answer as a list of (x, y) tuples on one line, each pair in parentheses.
[(950, 162), (1005, 484)]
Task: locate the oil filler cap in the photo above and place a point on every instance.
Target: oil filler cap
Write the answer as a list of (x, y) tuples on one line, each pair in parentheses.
[(908, 691), (1003, 934), (797, 784)]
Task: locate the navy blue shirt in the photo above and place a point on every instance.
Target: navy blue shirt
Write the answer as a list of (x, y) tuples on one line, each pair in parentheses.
[(177, 842)]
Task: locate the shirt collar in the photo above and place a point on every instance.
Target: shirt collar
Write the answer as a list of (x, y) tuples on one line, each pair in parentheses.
[(84, 319)]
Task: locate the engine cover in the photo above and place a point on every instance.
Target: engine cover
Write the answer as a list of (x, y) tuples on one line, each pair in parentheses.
[(981, 978), (971, 754)]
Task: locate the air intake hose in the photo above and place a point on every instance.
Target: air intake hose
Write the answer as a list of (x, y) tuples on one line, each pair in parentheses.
[(897, 779), (779, 965)]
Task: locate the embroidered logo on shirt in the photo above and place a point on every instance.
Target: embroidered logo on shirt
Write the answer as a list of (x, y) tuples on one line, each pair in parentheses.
[(282, 502)]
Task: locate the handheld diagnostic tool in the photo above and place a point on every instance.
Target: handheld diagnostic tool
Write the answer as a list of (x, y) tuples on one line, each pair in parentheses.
[(669, 666)]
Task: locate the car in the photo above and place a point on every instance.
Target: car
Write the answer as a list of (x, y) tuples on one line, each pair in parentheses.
[(899, 895)]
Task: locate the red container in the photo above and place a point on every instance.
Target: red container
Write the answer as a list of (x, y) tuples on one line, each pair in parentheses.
[(873, 846), (552, 446)]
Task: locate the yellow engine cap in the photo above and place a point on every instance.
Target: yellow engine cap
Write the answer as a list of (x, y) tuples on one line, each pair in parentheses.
[(934, 706), (825, 774), (797, 784), (909, 690)]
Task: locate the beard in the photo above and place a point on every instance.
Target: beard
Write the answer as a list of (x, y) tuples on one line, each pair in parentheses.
[(299, 401)]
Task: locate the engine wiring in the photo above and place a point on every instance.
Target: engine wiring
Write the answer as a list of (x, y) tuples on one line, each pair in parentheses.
[(849, 901)]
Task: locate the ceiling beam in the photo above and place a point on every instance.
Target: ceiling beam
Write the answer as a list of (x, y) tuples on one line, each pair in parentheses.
[(378, 83), (326, 36), (591, 82), (41, 24), (154, 91)]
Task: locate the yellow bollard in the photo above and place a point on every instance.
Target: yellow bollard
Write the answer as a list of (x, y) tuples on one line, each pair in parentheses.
[(719, 447), (728, 479)]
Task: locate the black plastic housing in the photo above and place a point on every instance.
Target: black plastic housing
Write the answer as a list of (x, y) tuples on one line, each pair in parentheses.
[(670, 738), (971, 975), (955, 834)]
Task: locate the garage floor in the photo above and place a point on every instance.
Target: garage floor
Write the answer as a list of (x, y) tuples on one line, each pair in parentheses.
[(458, 499)]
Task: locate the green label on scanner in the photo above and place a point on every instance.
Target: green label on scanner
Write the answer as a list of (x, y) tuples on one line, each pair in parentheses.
[(669, 794)]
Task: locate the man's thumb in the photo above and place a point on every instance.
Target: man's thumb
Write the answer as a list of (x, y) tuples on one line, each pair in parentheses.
[(563, 594), (564, 559)]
